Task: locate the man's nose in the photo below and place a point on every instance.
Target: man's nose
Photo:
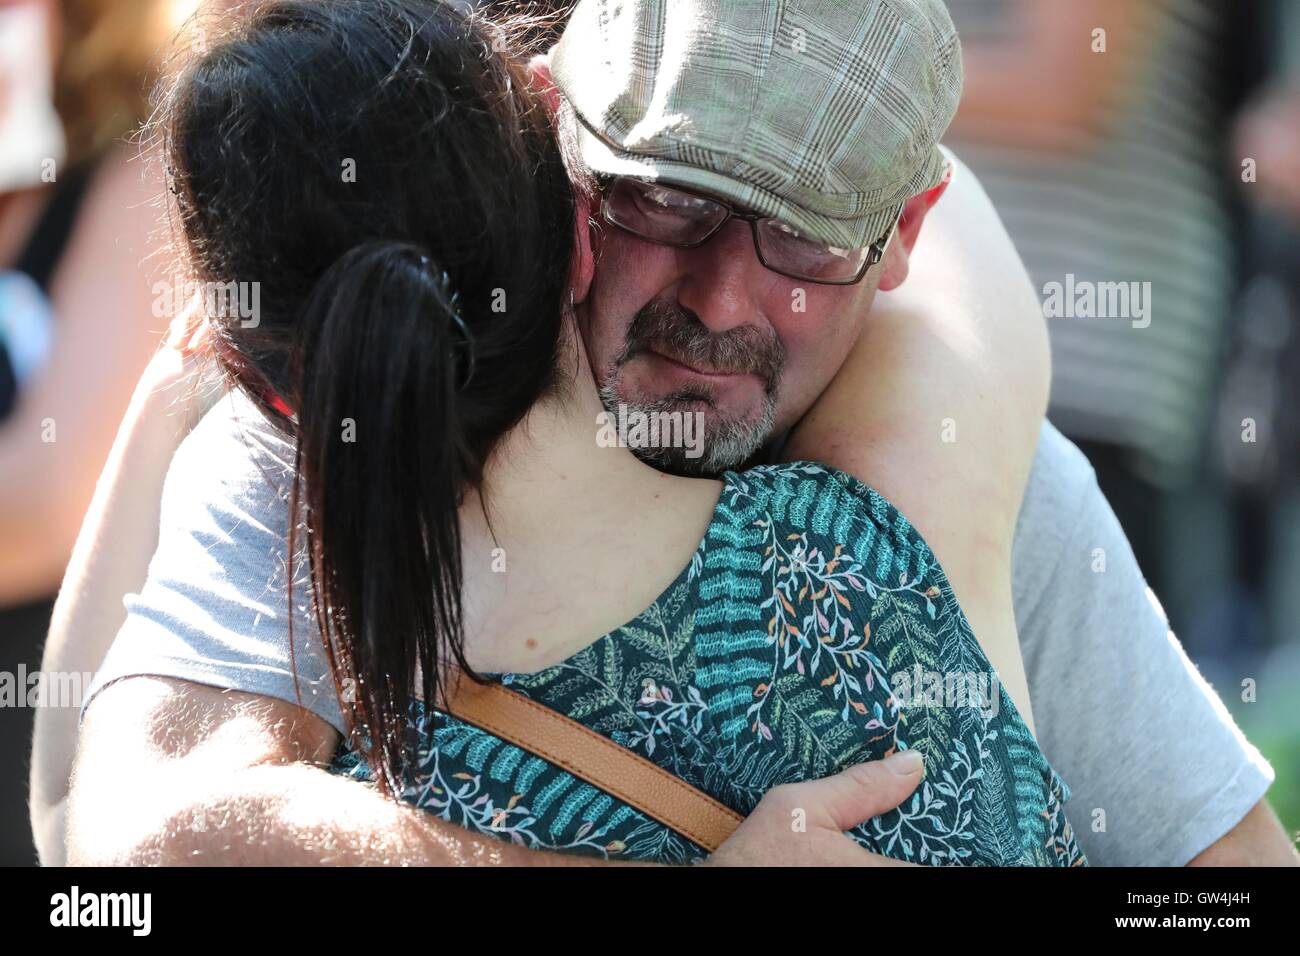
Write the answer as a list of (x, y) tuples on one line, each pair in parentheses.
[(718, 281)]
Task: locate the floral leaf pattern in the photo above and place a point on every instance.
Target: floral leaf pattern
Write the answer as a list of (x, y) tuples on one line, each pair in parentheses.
[(774, 657)]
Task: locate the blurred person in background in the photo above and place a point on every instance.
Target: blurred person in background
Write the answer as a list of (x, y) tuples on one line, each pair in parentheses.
[(1118, 140), (1262, 391), (77, 323), (1097, 129), (1264, 368)]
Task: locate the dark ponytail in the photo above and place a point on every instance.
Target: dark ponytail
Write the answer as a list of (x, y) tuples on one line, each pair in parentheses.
[(410, 313), (382, 358)]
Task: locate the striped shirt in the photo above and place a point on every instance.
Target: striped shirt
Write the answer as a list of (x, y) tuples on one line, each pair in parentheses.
[(1142, 202)]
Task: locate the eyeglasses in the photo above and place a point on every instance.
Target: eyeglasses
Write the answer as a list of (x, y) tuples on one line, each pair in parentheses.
[(673, 216)]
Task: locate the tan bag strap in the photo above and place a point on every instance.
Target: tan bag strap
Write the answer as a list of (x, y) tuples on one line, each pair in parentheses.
[(596, 759)]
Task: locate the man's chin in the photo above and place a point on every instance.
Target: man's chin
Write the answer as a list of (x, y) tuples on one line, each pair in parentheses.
[(718, 443), (715, 420)]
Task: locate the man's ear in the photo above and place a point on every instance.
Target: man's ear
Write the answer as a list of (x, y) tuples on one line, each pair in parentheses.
[(583, 266), (899, 253), (543, 84)]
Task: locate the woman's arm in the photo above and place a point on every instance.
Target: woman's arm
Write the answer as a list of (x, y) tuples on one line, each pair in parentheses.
[(111, 557), (939, 405)]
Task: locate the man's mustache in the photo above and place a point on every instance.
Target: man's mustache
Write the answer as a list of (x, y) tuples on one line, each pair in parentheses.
[(677, 332)]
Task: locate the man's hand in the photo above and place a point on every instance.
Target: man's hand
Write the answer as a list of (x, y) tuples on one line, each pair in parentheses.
[(171, 772), (803, 824)]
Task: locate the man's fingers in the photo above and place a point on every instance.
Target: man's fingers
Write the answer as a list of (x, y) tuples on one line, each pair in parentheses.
[(862, 791), (828, 807)]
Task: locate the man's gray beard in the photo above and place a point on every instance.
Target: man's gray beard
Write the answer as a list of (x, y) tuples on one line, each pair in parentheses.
[(727, 444)]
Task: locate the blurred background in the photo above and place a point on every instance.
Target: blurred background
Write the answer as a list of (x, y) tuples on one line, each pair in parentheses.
[(1158, 141), (1122, 141), (79, 226)]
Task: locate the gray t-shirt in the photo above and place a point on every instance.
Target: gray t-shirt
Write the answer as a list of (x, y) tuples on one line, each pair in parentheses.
[(1157, 767)]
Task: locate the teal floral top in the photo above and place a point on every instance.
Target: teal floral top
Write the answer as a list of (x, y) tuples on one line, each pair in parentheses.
[(811, 630)]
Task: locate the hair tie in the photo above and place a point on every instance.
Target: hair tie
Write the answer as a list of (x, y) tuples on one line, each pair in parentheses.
[(249, 376), (452, 300)]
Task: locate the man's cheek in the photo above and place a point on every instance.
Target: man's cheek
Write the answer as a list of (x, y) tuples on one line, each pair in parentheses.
[(808, 370), (632, 382), (609, 316)]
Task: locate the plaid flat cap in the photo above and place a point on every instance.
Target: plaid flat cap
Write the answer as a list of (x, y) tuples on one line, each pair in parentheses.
[(824, 114)]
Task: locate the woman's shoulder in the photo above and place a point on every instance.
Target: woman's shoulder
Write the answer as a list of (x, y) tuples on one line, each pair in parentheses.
[(813, 477), (235, 463), (828, 505)]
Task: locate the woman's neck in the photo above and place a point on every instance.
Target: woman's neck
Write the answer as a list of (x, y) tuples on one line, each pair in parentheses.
[(567, 539), (554, 453)]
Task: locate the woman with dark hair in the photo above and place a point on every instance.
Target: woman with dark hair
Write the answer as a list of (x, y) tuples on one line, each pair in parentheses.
[(396, 193)]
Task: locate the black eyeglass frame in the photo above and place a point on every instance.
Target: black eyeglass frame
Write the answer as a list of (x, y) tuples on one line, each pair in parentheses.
[(875, 252)]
